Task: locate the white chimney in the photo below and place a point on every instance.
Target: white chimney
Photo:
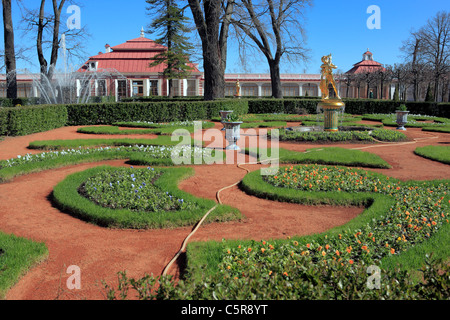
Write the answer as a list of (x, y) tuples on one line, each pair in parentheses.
[(107, 48)]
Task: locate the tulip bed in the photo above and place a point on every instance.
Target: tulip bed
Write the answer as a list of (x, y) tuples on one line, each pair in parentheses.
[(400, 217)]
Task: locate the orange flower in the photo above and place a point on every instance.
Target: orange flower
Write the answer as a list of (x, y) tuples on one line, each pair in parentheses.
[(285, 273), (364, 247), (327, 246), (308, 245), (338, 253), (392, 250), (350, 261), (323, 253), (249, 249), (262, 250)]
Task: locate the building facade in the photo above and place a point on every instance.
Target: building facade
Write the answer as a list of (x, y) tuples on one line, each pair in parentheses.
[(124, 71)]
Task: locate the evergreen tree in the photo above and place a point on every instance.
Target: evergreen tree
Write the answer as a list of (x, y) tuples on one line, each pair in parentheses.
[(170, 22), (429, 96), (396, 93)]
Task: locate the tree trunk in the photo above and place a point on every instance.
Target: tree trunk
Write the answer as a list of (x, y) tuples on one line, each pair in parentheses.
[(10, 55), (213, 41), (275, 77), (214, 73)]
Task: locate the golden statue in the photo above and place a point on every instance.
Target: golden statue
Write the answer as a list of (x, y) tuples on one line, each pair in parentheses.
[(327, 77), (238, 89)]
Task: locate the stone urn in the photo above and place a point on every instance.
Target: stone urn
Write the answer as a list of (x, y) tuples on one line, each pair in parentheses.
[(224, 115), (232, 133), (402, 119)]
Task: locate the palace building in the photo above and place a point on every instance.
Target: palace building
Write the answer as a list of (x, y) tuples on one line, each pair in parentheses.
[(132, 61), (124, 71)]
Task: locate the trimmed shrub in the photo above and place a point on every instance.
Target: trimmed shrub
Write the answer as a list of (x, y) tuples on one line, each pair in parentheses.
[(109, 113), (28, 120)]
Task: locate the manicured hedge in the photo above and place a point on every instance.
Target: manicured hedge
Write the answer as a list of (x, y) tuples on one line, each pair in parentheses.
[(108, 113), (21, 121), (352, 106)]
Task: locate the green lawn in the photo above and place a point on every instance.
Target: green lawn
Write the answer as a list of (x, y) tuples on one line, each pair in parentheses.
[(437, 153), (17, 256), (328, 155)]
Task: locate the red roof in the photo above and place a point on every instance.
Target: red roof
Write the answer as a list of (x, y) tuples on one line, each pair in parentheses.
[(365, 66), (133, 56), (139, 44)]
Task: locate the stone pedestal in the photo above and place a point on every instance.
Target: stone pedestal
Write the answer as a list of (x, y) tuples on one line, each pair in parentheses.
[(331, 109)]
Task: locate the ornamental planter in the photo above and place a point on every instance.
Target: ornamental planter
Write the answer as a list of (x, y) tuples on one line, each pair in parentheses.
[(224, 115), (232, 134), (402, 119)]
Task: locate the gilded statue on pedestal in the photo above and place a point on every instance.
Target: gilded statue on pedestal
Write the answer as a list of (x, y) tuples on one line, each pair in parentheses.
[(327, 77)]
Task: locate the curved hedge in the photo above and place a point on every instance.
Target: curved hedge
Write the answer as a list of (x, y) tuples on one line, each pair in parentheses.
[(67, 198)]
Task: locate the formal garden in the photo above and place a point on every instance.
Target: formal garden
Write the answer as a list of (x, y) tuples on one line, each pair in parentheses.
[(107, 173)]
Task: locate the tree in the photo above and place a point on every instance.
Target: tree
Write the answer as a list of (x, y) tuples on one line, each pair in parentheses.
[(212, 21), (383, 76), (46, 29), (170, 22), (429, 96), (274, 27), (10, 55), (435, 42)]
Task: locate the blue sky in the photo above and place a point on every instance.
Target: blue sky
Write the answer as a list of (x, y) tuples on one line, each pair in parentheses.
[(332, 26)]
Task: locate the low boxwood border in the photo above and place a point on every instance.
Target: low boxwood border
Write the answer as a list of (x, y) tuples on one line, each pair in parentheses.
[(436, 153), (134, 158), (76, 143), (66, 197), (17, 256), (327, 155)]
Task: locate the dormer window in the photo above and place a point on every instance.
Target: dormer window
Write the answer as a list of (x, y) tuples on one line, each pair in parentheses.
[(92, 66)]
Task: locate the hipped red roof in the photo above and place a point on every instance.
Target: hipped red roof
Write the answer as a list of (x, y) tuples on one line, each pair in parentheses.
[(133, 56), (366, 66)]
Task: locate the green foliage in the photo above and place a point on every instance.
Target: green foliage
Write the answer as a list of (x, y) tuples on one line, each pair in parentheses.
[(27, 120), (67, 197), (329, 156), (17, 256), (341, 136), (429, 95), (76, 143), (94, 114), (153, 128), (170, 22), (437, 153)]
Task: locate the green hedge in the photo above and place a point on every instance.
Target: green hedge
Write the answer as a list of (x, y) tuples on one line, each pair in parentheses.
[(352, 106), (108, 113), (27, 120)]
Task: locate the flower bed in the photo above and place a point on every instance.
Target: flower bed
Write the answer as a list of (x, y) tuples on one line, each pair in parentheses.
[(125, 188), (109, 197), (420, 210), (137, 155), (342, 136)]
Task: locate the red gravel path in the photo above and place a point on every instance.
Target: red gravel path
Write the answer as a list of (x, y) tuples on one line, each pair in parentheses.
[(26, 211)]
